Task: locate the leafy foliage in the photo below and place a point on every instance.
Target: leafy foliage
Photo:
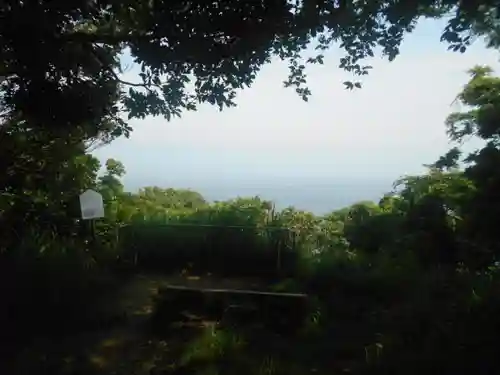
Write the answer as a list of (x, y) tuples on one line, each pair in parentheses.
[(65, 72)]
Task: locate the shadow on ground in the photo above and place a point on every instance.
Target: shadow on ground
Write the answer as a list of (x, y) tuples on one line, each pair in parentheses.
[(149, 330)]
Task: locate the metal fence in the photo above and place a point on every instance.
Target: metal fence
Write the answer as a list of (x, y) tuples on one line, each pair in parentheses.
[(238, 249)]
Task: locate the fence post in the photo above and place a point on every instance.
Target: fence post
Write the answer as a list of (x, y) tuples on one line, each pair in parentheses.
[(279, 254)]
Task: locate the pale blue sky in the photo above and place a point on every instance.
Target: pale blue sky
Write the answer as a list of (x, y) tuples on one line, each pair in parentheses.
[(389, 128)]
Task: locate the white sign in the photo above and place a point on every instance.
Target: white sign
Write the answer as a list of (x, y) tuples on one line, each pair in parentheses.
[(91, 205)]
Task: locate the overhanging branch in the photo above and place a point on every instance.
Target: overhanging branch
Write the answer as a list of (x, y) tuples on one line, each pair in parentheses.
[(108, 68)]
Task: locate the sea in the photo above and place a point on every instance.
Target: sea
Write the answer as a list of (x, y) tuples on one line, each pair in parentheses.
[(319, 197)]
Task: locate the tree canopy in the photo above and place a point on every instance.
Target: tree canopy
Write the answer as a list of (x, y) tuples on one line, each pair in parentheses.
[(60, 60)]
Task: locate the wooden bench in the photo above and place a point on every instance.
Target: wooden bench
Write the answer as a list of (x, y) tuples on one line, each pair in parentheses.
[(181, 288), (237, 307)]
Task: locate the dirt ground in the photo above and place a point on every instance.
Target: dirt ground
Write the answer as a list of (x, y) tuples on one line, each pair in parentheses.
[(125, 347)]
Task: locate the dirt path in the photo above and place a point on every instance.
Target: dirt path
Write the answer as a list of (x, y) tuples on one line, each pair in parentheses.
[(117, 346), (124, 347)]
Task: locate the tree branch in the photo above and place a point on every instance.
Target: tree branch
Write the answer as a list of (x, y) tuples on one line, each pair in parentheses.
[(115, 75), (110, 39)]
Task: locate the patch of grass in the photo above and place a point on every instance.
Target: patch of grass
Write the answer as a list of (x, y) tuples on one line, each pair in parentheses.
[(213, 344)]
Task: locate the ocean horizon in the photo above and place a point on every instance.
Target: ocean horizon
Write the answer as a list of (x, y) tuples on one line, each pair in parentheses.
[(319, 197)]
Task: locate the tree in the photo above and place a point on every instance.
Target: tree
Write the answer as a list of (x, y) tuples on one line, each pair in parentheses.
[(65, 72), (172, 198), (43, 175), (482, 96), (111, 187)]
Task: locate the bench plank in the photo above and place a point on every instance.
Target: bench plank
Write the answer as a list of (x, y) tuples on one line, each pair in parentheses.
[(233, 291)]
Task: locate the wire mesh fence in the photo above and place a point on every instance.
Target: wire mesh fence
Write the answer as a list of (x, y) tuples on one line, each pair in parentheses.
[(227, 250)]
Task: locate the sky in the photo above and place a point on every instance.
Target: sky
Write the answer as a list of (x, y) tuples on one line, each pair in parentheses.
[(371, 136)]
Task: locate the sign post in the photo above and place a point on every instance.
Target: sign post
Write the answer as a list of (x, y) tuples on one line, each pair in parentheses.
[(92, 207)]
